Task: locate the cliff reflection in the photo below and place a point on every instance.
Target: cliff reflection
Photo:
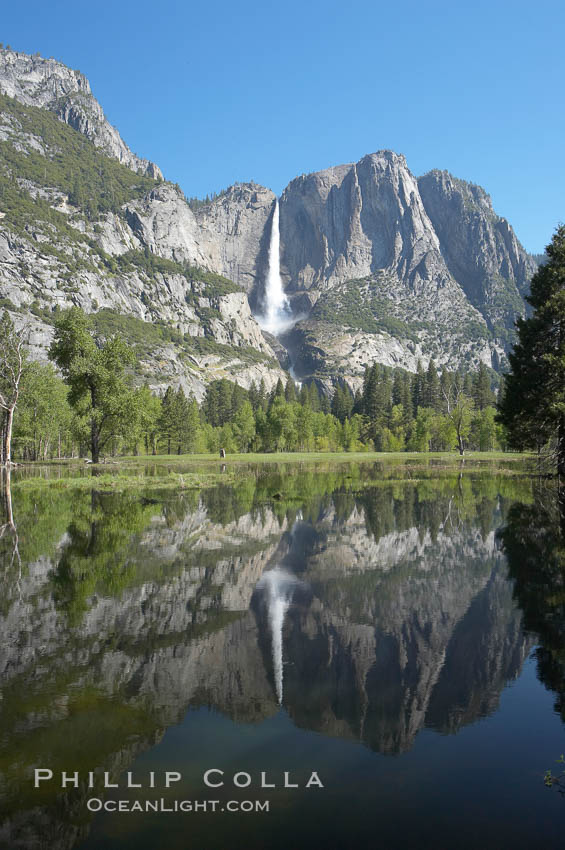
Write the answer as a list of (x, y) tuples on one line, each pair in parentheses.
[(394, 614)]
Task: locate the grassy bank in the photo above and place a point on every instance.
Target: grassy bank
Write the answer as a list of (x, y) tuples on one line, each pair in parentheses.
[(195, 472)]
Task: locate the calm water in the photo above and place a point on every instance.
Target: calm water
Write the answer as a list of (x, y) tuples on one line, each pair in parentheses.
[(397, 631)]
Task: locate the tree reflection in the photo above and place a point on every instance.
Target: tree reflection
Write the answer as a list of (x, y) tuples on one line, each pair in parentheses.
[(98, 554), (8, 530), (534, 542)]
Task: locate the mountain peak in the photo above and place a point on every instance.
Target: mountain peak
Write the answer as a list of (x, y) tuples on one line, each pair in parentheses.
[(47, 83)]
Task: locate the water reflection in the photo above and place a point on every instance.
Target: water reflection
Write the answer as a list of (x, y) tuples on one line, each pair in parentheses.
[(534, 542), (277, 588), (370, 605)]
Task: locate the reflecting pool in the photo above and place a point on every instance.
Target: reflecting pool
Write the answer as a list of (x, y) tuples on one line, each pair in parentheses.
[(375, 653)]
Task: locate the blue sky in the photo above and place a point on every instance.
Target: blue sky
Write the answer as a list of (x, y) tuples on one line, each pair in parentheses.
[(219, 92)]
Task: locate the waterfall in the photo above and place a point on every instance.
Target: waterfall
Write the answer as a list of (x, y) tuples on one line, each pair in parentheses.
[(278, 586), (277, 315)]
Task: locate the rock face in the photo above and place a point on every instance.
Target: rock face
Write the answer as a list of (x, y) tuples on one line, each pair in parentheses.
[(398, 268), (379, 265), (348, 222), (481, 250), (36, 81), (141, 255), (235, 231)]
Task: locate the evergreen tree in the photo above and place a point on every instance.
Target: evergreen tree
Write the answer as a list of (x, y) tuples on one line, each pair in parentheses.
[(533, 405), (180, 420), (303, 396), (342, 403), (418, 388), (397, 387), (290, 390), (314, 397), (166, 423), (225, 399), (431, 387), (483, 395), (278, 392), (406, 400), (262, 395)]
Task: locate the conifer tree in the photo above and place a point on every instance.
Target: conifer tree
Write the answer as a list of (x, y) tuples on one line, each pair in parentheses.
[(418, 388), (290, 390), (166, 419), (431, 388), (533, 404), (482, 393)]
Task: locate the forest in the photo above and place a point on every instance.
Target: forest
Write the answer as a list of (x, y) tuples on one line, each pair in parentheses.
[(90, 405)]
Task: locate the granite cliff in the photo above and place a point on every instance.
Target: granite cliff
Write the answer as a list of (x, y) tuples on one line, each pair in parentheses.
[(378, 264)]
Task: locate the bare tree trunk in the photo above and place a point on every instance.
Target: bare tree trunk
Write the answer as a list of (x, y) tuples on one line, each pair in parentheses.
[(7, 498), (7, 437), (94, 442)]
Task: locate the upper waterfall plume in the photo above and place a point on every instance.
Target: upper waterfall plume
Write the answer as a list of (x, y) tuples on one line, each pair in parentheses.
[(276, 316)]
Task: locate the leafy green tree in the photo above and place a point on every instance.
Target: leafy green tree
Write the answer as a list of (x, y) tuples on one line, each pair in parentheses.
[(304, 428), (394, 435), (533, 403), (43, 417), (244, 427), (12, 366), (421, 431), (195, 435), (150, 411), (95, 372)]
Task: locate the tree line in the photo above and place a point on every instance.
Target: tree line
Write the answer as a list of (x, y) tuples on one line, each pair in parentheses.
[(91, 406)]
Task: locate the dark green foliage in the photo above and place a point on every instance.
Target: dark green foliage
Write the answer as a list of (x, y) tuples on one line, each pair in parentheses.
[(483, 395), (99, 389), (197, 203), (213, 285), (534, 544), (431, 387), (532, 406), (371, 313), (222, 402), (93, 181), (395, 410), (342, 403), (419, 388)]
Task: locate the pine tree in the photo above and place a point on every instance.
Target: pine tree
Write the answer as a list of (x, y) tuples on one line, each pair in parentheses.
[(482, 393), (533, 404), (290, 390), (431, 387), (314, 397), (418, 388)]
